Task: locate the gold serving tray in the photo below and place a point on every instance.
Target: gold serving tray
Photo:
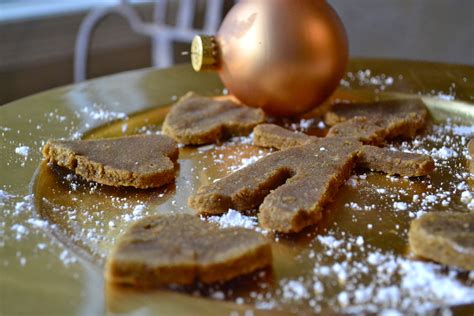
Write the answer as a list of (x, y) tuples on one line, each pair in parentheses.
[(54, 264)]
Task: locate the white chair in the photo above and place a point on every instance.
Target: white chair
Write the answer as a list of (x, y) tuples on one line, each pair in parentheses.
[(162, 35)]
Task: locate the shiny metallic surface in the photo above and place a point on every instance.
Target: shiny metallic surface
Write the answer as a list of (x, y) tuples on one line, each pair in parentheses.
[(54, 270), (283, 56)]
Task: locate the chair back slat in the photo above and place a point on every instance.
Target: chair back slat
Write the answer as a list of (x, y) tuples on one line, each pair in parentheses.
[(159, 11), (213, 15), (185, 17)]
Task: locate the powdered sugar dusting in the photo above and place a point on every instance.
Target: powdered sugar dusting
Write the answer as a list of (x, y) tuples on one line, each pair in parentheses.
[(391, 282), (294, 290), (367, 78), (244, 162), (22, 150), (95, 112), (234, 219)]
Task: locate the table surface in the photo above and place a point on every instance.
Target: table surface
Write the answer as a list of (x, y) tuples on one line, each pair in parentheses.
[(38, 275)]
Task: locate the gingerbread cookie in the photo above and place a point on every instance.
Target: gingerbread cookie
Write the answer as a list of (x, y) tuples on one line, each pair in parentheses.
[(391, 109), (291, 186), (143, 161), (197, 120), (370, 157), (470, 148), (445, 237), (373, 123), (183, 249)]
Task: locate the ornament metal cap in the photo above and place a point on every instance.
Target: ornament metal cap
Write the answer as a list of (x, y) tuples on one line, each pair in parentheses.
[(204, 53)]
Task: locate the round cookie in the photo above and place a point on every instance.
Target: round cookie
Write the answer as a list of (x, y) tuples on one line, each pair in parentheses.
[(445, 237)]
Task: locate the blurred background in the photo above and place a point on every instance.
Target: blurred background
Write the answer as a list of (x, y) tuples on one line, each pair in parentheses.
[(49, 43)]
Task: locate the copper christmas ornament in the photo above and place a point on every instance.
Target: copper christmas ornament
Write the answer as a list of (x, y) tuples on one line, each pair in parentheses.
[(283, 56)]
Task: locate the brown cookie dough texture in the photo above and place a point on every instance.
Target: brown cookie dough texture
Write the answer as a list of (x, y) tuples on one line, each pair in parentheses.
[(445, 237), (182, 249), (389, 109), (470, 148), (370, 157), (143, 161), (395, 162), (376, 122), (291, 186), (271, 135), (197, 120)]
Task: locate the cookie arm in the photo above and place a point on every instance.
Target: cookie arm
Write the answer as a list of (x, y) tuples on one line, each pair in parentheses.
[(244, 189), (371, 157), (271, 135), (395, 162)]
